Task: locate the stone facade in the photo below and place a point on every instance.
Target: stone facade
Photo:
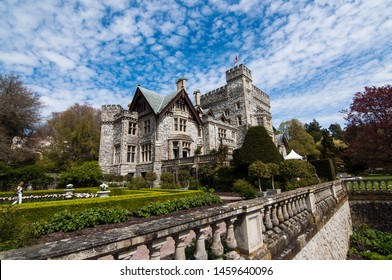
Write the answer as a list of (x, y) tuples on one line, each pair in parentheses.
[(241, 102), (332, 241), (157, 127)]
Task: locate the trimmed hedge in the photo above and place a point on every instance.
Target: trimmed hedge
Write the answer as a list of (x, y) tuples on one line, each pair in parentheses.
[(41, 211), (325, 168)]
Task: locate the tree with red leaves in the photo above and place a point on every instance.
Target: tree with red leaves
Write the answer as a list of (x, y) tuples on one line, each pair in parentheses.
[(369, 128)]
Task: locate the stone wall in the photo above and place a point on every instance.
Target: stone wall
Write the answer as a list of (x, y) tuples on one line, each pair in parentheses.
[(332, 241), (375, 214)]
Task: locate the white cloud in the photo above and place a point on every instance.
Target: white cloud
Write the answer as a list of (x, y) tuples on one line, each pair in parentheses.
[(62, 61), (310, 56), (17, 58)]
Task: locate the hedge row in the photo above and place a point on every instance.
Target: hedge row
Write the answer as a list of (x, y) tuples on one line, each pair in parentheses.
[(42, 211)]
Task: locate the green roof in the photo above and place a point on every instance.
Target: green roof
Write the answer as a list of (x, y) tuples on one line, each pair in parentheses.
[(157, 101)]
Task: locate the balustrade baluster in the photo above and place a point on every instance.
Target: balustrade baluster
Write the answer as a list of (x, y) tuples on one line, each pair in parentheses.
[(201, 253), (155, 248), (180, 245), (293, 207), (298, 210), (262, 214), (275, 220), (303, 200), (379, 185), (285, 213), (217, 247), (280, 212), (231, 242), (298, 203), (290, 210), (268, 220)]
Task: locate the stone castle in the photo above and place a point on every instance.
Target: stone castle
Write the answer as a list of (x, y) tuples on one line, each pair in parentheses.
[(157, 128)]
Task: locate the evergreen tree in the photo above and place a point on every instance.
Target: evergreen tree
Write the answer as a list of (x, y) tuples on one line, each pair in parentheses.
[(314, 129), (336, 131), (328, 148), (258, 145)]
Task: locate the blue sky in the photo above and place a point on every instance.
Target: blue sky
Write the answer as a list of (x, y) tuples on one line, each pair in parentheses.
[(311, 57)]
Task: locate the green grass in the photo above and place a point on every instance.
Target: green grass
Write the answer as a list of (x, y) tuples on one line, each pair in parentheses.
[(378, 176)]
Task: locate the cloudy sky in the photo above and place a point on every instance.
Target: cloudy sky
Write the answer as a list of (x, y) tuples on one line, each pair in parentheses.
[(309, 56)]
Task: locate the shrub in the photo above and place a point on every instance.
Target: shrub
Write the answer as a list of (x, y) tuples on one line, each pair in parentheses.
[(207, 175), (113, 178), (167, 177), (84, 175), (15, 232), (370, 244), (137, 183), (184, 177), (325, 168), (30, 174), (224, 178), (160, 208), (65, 221), (245, 189), (297, 173), (151, 176)]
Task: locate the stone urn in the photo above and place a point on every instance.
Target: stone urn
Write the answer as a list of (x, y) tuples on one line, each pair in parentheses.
[(103, 193)]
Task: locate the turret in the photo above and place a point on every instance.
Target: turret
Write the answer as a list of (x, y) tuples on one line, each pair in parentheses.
[(238, 72)]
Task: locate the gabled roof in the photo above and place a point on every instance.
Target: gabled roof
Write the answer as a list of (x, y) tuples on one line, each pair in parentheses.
[(207, 112), (160, 103), (157, 101)]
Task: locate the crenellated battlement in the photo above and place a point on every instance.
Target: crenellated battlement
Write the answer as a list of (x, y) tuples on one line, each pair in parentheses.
[(109, 111), (214, 92), (262, 93), (238, 71)]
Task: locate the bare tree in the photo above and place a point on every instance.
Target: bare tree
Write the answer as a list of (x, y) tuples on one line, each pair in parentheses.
[(20, 113)]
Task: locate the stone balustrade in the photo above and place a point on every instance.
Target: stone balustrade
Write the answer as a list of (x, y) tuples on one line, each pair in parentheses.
[(359, 184), (189, 160), (262, 228)]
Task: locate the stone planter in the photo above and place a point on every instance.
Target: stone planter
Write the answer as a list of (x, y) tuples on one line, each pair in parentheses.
[(69, 193), (103, 193)]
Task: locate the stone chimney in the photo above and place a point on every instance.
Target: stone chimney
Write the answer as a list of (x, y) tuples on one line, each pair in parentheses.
[(196, 94), (181, 83)]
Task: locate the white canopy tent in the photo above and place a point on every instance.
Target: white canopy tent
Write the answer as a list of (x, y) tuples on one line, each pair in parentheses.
[(293, 155)]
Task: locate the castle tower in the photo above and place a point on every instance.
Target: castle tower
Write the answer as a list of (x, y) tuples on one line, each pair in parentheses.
[(106, 153), (241, 102)]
